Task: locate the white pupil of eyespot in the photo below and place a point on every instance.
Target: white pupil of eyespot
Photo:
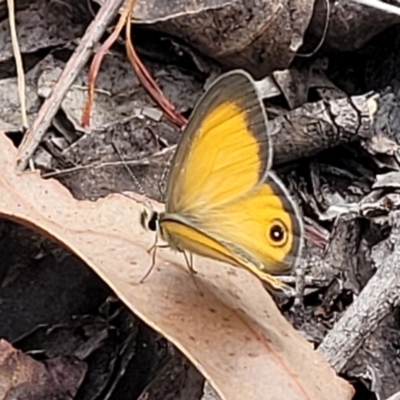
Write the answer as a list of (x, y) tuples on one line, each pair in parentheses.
[(277, 233)]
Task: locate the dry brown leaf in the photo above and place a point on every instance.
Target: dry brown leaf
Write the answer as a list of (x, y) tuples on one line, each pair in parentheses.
[(22, 377), (234, 33), (233, 334)]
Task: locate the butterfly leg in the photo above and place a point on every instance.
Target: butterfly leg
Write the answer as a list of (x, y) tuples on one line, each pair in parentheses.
[(152, 251), (193, 272), (189, 262)]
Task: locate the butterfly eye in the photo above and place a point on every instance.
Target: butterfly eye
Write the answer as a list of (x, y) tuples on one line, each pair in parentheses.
[(149, 220), (278, 233), (153, 222)]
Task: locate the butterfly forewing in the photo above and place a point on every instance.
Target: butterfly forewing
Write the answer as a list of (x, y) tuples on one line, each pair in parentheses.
[(224, 151)]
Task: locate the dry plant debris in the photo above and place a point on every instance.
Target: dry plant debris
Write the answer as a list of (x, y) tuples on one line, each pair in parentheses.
[(22, 377), (335, 119), (232, 331), (236, 33)]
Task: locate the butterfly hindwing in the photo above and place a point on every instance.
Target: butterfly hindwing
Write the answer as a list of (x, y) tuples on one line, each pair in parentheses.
[(264, 227)]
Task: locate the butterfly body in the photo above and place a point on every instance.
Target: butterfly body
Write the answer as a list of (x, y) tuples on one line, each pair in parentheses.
[(222, 201)]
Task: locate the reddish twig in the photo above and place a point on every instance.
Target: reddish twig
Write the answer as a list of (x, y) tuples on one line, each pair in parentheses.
[(149, 83), (98, 58), (96, 29)]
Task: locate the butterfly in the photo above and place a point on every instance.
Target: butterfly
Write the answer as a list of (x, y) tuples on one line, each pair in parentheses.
[(222, 199)]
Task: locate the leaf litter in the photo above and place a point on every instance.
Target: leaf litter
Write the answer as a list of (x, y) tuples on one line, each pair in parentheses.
[(336, 188), (22, 377), (235, 334)]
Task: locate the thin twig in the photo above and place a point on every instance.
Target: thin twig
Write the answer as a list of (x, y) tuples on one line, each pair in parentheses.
[(97, 165), (324, 32), (80, 57), (148, 82), (380, 5), (96, 63), (18, 62)]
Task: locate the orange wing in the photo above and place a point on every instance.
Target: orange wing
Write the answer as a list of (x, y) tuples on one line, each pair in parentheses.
[(183, 236), (262, 229), (265, 225), (225, 149), (222, 201)]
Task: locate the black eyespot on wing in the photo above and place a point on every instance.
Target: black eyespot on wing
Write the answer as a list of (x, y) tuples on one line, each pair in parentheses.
[(297, 230), (278, 233)]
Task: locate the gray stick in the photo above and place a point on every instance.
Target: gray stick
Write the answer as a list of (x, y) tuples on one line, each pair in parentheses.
[(377, 300), (96, 29)]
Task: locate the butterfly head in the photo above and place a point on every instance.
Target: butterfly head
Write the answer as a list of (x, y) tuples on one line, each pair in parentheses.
[(150, 220)]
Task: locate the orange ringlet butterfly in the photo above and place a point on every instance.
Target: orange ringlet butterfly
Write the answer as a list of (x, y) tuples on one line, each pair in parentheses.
[(222, 200)]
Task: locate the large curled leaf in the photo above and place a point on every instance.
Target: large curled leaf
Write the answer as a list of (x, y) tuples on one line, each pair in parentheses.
[(235, 33), (233, 333)]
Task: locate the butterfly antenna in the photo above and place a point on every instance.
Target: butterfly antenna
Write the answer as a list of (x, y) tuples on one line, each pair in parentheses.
[(126, 166), (161, 182)]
